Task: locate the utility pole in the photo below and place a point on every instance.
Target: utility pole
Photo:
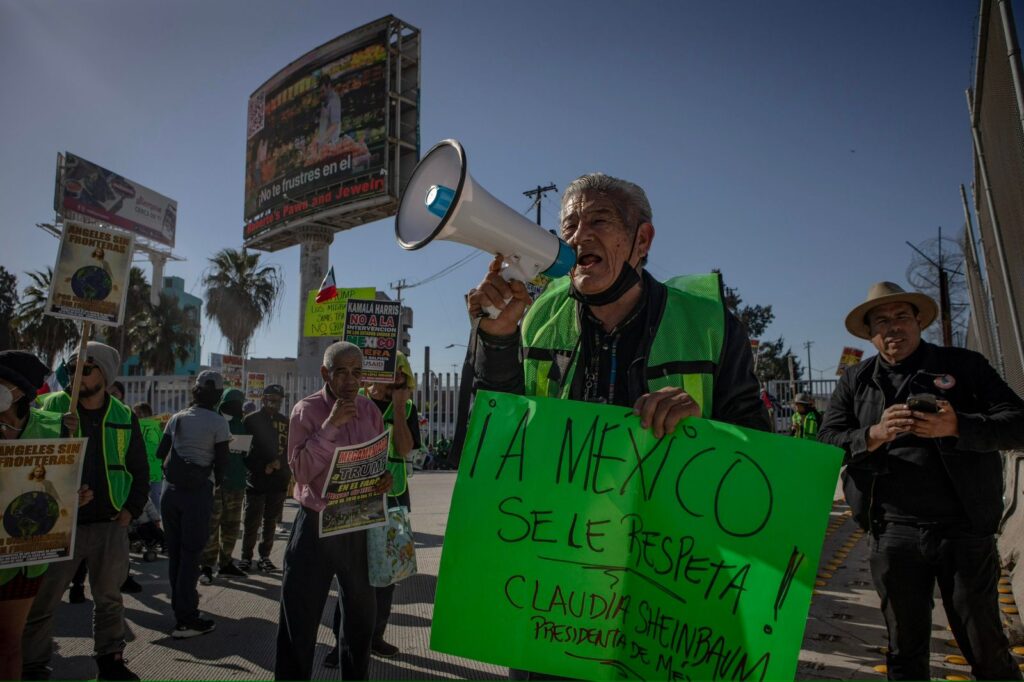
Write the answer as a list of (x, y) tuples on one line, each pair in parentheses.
[(807, 345), (398, 286), (540, 192), (945, 306)]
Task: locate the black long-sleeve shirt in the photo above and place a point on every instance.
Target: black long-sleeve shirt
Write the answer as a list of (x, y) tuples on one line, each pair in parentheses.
[(883, 484), (736, 397)]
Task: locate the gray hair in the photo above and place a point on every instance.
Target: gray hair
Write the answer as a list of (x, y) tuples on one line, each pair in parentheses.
[(336, 350), (629, 198)]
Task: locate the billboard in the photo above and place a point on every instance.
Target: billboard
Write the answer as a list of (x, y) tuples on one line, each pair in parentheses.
[(90, 190), (317, 134)]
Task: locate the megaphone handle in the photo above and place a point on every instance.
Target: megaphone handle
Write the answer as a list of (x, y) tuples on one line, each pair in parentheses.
[(511, 271)]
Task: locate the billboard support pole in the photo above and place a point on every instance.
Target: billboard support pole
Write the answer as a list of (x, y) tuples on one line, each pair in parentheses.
[(314, 257)]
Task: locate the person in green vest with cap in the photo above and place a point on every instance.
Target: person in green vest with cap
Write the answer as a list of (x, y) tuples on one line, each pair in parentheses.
[(391, 398), (228, 497), (806, 421), (609, 332), (116, 470), (21, 375)]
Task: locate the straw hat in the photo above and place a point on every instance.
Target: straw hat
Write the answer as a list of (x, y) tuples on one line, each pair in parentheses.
[(882, 293)]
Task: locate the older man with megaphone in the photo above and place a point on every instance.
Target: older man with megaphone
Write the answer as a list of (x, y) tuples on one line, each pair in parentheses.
[(610, 332)]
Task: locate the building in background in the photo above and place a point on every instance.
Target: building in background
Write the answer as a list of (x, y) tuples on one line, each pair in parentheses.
[(193, 308)]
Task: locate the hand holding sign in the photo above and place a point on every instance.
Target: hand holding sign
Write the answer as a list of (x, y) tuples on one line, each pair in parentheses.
[(662, 410)]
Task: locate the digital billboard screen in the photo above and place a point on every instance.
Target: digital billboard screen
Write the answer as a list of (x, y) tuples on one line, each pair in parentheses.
[(317, 134)]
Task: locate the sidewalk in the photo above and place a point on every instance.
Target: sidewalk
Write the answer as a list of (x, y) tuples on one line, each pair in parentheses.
[(844, 636)]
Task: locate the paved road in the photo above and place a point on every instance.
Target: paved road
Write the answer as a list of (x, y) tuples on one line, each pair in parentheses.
[(843, 639)]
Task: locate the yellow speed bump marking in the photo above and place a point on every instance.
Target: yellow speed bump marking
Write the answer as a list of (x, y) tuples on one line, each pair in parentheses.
[(881, 669), (820, 583), (1009, 609), (957, 677), (824, 574), (1004, 581), (952, 643), (1018, 650), (956, 660), (1004, 590), (1008, 600)]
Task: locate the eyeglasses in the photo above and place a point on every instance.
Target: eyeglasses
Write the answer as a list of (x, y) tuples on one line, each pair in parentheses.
[(86, 370)]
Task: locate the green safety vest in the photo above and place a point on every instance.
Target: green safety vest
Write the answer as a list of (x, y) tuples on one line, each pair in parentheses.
[(806, 425), (152, 434), (117, 433), (684, 352), (396, 464), (40, 425)]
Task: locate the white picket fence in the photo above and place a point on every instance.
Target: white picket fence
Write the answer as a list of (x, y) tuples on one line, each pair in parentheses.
[(436, 403)]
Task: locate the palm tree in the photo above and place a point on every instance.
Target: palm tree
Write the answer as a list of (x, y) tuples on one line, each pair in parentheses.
[(241, 295), (49, 336), (128, 338), (170, 335)]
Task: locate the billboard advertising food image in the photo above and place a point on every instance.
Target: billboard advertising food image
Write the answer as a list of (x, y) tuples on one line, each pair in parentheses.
[(93, 191), (317, 134)]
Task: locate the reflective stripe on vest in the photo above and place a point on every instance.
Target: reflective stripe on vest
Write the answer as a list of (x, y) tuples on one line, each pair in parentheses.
[(684, 351), (806, 426), (117, 434), (396, 464)]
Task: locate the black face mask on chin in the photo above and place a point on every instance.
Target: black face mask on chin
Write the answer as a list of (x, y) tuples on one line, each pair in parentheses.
[(627, 279)]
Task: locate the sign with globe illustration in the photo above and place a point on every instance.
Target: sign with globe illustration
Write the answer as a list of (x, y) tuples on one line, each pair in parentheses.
[(31, 514), (90, 278), (39, 481), (92, 283)]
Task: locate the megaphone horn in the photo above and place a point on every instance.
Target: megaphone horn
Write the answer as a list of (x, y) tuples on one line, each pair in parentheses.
[(442, 201)]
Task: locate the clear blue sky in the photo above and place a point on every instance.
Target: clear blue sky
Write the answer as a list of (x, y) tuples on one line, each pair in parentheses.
[(794, 145)]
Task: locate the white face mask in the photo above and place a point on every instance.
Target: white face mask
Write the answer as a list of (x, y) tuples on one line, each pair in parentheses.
[(6, 398)]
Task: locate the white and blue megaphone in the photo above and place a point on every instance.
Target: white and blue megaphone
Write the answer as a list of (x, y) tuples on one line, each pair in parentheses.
[(442, 201)]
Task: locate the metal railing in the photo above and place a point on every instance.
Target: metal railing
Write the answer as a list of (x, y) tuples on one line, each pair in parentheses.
[(785, 391), (435, 397)]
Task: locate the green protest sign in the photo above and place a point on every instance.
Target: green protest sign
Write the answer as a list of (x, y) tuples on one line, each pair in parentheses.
[(328, 318), (581, 546)]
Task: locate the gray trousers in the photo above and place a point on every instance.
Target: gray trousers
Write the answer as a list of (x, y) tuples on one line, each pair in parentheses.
[(104, 549)]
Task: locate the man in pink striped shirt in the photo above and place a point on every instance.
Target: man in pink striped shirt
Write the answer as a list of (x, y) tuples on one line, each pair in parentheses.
[(333, 417)]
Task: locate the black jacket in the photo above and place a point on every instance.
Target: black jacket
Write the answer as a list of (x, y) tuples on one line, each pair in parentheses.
[(990, 418), (736, 398), (269, 444)]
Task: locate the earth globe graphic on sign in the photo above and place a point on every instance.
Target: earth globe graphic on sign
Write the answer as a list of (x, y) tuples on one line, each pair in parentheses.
[(31, 514), (92, 283)]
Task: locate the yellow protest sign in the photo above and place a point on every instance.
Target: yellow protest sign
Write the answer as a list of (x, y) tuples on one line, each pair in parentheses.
[(328, 318)]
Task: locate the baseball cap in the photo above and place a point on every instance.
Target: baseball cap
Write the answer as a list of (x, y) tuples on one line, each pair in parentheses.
[(207, 377)]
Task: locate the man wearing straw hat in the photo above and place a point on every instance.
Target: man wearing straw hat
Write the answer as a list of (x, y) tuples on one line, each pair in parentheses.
[(922, 426)]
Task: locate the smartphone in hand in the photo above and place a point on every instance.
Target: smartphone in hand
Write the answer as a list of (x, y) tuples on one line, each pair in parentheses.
[(923, 402)]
